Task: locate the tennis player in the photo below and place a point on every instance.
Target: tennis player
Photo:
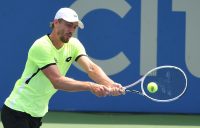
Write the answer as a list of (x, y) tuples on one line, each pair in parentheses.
[(48, 61)]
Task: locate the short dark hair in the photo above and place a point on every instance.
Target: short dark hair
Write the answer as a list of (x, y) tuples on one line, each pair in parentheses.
[(51, 25)]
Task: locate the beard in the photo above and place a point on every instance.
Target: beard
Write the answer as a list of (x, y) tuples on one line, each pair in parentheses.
[(64, 40), (64, 37)]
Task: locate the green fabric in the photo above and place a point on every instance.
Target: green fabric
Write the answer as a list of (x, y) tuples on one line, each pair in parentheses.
[(33, 90)]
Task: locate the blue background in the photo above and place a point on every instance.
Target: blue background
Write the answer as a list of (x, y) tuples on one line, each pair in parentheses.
[(104, 36)]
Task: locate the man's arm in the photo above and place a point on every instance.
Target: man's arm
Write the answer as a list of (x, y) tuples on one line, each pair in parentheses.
[(68, 84), (98, 75), (94, 71)]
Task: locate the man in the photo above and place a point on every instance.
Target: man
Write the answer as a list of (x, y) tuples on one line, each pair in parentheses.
[(48, 61)]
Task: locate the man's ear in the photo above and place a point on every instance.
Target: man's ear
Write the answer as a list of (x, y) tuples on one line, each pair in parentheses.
[(55, 22)]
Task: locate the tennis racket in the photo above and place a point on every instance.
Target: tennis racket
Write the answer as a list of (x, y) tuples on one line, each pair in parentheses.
[(171, 82)]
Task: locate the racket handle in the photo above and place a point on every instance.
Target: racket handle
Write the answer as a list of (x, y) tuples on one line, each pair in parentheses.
[(134, 91)]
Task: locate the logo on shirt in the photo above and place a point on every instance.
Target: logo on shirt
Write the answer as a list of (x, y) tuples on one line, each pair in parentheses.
[(68, 59)]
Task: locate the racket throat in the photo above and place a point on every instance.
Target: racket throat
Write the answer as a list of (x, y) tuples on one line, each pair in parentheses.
[(135, 91)]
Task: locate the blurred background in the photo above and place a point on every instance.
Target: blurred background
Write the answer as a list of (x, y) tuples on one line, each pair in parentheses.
[(125, 37)]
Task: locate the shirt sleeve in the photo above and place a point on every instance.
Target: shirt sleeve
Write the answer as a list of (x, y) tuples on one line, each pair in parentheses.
[(80, 50), (41, 54)]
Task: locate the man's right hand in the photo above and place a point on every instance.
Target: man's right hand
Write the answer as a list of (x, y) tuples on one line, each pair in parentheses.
[(99, 90)]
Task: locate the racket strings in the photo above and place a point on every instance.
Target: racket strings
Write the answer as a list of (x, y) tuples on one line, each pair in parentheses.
[(171, 83)]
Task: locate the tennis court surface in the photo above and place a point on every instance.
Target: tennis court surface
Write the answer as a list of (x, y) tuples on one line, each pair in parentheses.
[(118, 120)]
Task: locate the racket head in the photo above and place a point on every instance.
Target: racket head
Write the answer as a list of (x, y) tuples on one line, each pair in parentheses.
[(171, 82)]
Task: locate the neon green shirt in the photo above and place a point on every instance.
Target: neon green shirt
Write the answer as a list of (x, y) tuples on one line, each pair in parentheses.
[(32, 92)]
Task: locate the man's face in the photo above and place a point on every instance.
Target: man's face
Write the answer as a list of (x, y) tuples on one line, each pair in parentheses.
[(65, 30)]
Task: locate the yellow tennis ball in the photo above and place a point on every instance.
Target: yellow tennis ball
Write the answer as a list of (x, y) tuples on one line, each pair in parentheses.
[(152, 87)]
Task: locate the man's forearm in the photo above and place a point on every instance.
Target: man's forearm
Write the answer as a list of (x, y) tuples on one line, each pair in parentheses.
[(99, 76), (69, 84)]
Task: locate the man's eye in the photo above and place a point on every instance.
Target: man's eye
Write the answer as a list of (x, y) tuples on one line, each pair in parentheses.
[(69, 25)]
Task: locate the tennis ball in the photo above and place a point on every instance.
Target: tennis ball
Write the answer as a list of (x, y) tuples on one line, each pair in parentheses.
[(152, 87)]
